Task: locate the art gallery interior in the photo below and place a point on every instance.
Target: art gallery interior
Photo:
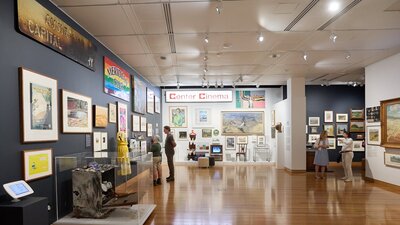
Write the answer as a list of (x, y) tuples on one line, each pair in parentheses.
[(246, 86)]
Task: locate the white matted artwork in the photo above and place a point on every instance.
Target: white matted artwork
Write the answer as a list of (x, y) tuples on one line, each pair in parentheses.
[(202, 117), (149, 130), (230, 142), (260, 140), (122, 118), (157, 104), (392, 159), (96, 141), (342, 118), (178, 116), (357, 146), (112, 113), (374, 135), (143, 124), (143, 146), (77, 113), (332, 143), (241, 140), (312, 138), (104, 141), (328, 116), (313, 121), (150, 101), (135, 123)]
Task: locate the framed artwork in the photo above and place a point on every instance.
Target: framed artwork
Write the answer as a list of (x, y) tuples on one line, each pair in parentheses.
[(117, 81), (100, 116), (357, 146), (150, 101), (112, 113), (182, 135), (357, 114), (76, 113), (143, 124), (357, 126), (143, 146), (135, 123), (139, 95), (215, 132), (96, 141), (38, 102), (122, 118), (157, 104), (273, 132), (374, 114), (390, 123), (37, 164), (242, 122), (241, 140), (250, 99), (312, 138), (178, 116), (332, 143), (374, 135), (330, 129), (313, 121), (104, 140), (341, 128), (149, 130), (342, 118), (392, 159), (202, 117), (314, 130), (273, 118), (328, 116), (340, 141), (260, 140), (230, 142), (360, 136), (206, 133)]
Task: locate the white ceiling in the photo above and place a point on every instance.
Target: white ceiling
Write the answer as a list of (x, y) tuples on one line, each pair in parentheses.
[(136, 30)]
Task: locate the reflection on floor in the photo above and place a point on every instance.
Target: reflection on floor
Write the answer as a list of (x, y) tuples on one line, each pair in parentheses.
[(265, 195)]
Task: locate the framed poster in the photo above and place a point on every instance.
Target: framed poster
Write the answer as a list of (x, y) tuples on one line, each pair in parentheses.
[(374, 135), (341, 128), (260, 140), (157, 104), (230, 142), (342, 118), (150, 101), (392, 159), (242, 122), (312, 138), (100, 116), (328, 116), (76, 113), (357, 126), (242, 140), (122, 118), (112, 113), (143, 124), (357, 114), (149, 130), (178, 116), (139, 95), (182, 135), (314, 130), (135, 123), (374, 114), (357, 146), (104, 141), (313, 121), (38, 102), (390, 123), (203, 117), (37, 164), (250, 99), (206, 133), (117, 81), (332, 143), (330, 129)]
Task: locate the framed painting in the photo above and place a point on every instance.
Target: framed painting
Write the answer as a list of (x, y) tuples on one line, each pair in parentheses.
[(122, 118), (135, 123), (313, 121), (357, 126), (314, 130), (96, 141), (390, 123), (143, 124), (392, 159), (76, 113), (242, 122), (342, 118), (139, 95), (206, 133), (332, 143), (117, 81), (273, 118), (37, 164), (250, 99), (242, 140), (312, 138), (100, 116), (112, 113), (149, 130), (202, 117), (38, 102), (150, 101), (178, 116), (157, 104), (341, 128), (330, 129), (328, 116), (374, 135), (230, 142), (358, 146), (182, 135), (357, 114), (260, 140)]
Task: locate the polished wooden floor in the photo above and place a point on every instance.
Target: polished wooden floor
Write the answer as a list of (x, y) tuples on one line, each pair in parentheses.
[(265, 195)]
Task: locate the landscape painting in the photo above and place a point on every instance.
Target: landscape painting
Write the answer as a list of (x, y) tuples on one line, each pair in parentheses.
[(392, 159), (101, 116), (242, 122), (139, 95), (250, 99), (356, 126), (341, 128), (357, 114), (390, 112), (374, 135), (77, 113)]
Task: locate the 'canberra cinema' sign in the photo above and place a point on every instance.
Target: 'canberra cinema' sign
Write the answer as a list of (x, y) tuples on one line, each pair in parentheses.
[(198, 96)]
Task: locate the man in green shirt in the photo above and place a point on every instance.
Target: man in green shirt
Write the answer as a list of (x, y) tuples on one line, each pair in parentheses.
[(156, 150)]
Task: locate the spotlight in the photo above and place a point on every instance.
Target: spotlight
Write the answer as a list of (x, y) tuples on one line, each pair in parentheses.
[(178, 85), (208, 84), (334, 6), (348, 56), (257, 85), (205, 69), (333, 37), (222, 84), (260, 38), (216, 84), (206, 39), (354, 84), (205, 58), (219, 7), (202, 84), (233, 84), (305, 56)]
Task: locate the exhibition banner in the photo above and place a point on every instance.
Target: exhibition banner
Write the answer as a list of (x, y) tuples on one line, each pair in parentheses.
[(117, 81), (40, 24), (198, 96)]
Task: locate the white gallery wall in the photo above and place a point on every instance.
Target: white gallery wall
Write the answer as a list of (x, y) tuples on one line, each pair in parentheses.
[(382, 81), (272, 96)]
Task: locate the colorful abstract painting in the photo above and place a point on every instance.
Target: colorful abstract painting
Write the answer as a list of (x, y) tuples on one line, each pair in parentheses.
[(250, 99), (117, 81)]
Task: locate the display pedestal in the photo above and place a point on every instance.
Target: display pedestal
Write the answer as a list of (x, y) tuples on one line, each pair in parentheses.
[(28, 211)]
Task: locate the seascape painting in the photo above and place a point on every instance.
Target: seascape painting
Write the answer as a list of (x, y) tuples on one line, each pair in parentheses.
[(41, 107), (250, 99), (240, 122)]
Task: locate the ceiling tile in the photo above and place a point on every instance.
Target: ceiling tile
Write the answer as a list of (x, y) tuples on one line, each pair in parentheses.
[(123, 44)]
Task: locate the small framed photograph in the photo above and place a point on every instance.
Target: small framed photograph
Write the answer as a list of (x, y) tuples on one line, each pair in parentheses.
[(332, 143), (76, 113), (341, 128), (357, 114), (374, 135), (96, 141), (342, 118), (206, 133), (242, 140), (330, 129), (100, 116), (135, 122), (112, 113), (313, 121), (328, 116), (149, 130), (312, 138), (392, 159), (230, 142), (357, 126), (357, 146), (104, 140), (37, 164), (143, 124), (182, 135), (314, 130), (260, 140)]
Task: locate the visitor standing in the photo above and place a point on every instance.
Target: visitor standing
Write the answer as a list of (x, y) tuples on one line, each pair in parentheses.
[(169, 151), (321, 159), (347, 156), (156, 150)]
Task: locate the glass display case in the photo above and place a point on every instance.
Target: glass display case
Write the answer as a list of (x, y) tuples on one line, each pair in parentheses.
[(101, 186)]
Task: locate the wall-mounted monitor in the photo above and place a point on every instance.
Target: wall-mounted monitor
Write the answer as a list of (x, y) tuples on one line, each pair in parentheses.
[(216, 149)]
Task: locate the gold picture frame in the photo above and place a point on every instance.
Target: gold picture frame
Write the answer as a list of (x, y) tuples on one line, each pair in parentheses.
[(390, 115)]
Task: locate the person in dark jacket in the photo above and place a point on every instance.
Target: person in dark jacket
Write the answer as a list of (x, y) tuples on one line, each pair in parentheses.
[(169, 151)]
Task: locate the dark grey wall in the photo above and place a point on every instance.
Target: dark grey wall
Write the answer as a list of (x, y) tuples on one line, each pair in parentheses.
[(18, 50), (339, 99)]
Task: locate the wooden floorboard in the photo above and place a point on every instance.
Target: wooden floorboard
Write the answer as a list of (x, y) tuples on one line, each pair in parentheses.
[(265, 195)]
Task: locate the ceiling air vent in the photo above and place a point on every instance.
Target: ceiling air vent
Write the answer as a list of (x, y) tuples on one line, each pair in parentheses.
[(341, 13), (170, 29)]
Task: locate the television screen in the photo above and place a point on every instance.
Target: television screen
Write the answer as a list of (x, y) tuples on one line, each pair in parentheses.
[(216, 148)]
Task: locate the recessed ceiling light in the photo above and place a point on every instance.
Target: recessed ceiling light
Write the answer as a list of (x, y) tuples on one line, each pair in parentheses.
[(260, 38), (305, 56), (333, 37), (334, 6)]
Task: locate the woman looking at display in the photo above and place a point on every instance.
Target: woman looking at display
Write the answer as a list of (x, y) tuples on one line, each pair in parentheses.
[(347, 156), (156, 150), (321, 158)]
